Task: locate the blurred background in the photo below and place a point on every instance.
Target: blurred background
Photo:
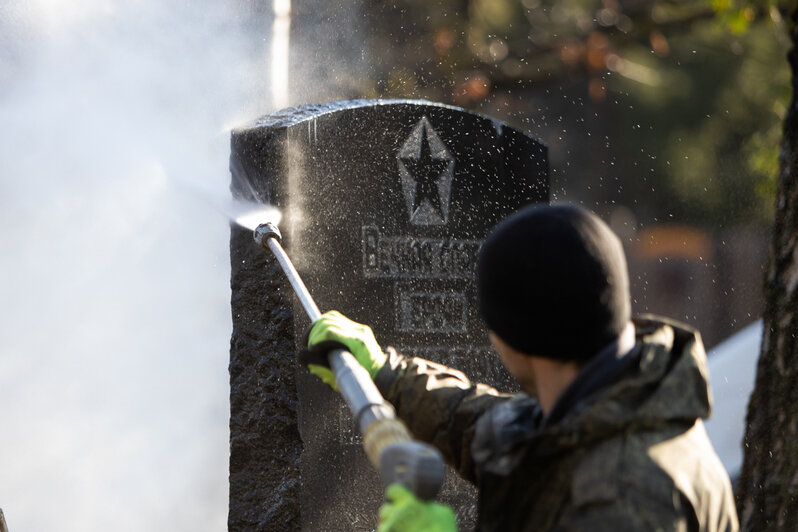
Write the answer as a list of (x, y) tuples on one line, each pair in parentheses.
[(664, 116)]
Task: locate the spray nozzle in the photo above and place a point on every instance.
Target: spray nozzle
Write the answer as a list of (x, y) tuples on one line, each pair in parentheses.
[(266, 231)]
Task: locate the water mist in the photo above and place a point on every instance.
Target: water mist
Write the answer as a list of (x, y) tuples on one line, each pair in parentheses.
[(115, 329)]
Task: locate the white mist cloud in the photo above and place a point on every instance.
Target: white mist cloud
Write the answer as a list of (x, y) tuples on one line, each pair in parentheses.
[(114, 325)]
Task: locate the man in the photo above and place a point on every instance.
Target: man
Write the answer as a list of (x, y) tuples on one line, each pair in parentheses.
[(607, 434)]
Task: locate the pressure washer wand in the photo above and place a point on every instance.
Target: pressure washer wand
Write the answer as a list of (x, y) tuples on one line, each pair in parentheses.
[(388, 444)]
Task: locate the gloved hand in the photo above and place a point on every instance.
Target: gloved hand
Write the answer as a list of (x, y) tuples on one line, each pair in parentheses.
[(405, 513), (334, 331)]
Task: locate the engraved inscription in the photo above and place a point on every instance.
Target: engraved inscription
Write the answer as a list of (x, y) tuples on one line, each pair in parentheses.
[(430, 312), (408, 257)]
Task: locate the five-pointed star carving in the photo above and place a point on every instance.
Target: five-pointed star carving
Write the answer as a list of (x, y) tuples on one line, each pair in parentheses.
[(426, 172)]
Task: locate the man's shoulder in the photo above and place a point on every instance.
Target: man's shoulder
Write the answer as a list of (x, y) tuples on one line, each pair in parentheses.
[(615, 466), (654, 476), (615, 487), (696, 470)]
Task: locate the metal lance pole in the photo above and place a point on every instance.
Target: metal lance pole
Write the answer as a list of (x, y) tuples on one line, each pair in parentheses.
[(387, 442)]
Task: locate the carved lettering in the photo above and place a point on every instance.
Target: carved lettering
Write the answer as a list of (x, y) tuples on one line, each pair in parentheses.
[(408, 257), (430, 312)]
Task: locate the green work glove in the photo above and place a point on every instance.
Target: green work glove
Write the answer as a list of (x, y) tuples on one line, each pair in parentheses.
[(405, 513), (334, 331)]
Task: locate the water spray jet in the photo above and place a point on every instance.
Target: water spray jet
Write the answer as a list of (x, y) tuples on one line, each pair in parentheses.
[(251, 215)]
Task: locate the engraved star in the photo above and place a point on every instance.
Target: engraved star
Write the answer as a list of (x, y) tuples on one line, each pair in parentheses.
[(426, 172)]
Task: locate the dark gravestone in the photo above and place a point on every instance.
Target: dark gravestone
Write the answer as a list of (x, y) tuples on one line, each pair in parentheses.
[(385, 205)]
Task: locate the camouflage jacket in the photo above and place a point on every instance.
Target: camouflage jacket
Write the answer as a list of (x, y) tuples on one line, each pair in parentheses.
[(630, 455)]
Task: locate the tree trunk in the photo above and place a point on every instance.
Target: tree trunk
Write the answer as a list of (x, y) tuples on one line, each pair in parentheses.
[(767, 492)]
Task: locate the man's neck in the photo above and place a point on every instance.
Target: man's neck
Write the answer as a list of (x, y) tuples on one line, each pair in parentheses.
[(552, 377)]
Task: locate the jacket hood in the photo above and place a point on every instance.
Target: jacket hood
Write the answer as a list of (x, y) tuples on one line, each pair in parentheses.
[(665, 383)]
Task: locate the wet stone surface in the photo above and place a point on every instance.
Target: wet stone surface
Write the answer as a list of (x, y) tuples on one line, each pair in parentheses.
[(385, 205)]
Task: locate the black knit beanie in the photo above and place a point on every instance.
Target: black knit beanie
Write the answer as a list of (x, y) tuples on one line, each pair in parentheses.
[(553, 282)]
